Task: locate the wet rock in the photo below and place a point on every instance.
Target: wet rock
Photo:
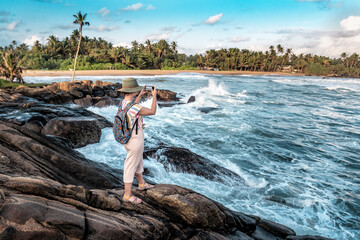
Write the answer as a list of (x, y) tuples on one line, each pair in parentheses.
[(31, 154), (191, 99), (30, 218), (262, 234), (35, 126), (113, 94), (80, 131), (98, 83), (307, 237), (105, 102), (76, 92), (276, 228), (189, 206), (50, 191), (84, 102), (183, 160), (98, 91), (64, 97), (207, 109)]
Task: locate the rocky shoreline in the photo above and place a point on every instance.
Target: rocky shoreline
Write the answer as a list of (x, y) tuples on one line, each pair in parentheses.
[(48, 190)]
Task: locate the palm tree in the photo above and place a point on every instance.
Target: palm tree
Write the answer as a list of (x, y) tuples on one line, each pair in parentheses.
[(10, 66), (79, 19)]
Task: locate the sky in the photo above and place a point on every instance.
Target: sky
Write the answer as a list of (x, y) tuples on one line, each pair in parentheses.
[(323, 27)]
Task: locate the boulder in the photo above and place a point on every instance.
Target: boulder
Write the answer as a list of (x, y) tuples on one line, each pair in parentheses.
[(98, 91), (76, 92), (31, 154), (80, 131), (105, 102), (98, 83), (183, 160), (191, 99), (276, 228), (22, 113), (84, 102)]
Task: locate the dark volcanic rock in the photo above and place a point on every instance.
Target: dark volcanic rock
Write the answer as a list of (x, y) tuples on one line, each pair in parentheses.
[(76, 92), (85, 102), (106, 101), (276, 228), (307, 237), (22, 113), (80, 131), (191, 99), (183, 160), (50, 191), (98, 91), (31, 154)]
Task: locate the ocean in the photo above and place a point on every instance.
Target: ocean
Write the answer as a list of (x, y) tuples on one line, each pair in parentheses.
[(294, 141)]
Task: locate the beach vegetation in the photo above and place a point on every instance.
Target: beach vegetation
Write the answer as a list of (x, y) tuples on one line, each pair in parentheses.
[(99, 54), (7, 84), (10, 63)]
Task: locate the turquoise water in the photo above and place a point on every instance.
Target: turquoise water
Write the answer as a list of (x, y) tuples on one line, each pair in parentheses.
[(294, 140)]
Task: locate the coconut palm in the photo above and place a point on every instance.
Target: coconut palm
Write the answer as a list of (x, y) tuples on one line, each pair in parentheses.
[(10, 66), (79, 19)]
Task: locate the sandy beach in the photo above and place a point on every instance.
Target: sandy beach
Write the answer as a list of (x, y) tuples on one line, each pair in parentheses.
[(33, 73)]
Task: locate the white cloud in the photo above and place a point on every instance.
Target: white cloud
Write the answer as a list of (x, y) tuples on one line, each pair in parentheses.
[(239, 39), (150, 7), (31, 39), (12, 25), (103, 12), (325, 42), (123, 44), (157, 37), (103, 28), (214, 19), (351, 23), (133, 7)]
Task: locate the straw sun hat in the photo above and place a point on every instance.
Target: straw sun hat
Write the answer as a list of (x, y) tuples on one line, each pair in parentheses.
[(130, 85)]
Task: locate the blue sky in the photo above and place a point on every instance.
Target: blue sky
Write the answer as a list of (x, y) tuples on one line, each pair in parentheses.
[(326, 27)]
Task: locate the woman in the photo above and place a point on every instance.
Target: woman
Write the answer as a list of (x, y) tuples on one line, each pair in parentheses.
[(135, 146)]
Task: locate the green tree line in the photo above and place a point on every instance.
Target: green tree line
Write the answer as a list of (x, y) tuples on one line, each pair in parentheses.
[(99, 54)]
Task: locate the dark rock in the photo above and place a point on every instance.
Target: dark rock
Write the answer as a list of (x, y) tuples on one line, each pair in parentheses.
[(113, 94), (105, 102), (307, 237), (191, 99), (84, 102), (207, 109), (76, 92), (35, 126), (163, 95), (50, 191), (261, 234), (64, 97), (276, 228), (31, 154), (80, 131), (98, 91), (30, 217), (183, 160)]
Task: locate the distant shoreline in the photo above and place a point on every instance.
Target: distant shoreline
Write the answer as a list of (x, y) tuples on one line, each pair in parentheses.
[(55, 73)]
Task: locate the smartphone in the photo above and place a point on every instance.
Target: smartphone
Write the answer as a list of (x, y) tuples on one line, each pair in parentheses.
[(149, 88)]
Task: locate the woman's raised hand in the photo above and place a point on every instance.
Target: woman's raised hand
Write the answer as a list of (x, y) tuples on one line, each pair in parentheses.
[(154, 92)]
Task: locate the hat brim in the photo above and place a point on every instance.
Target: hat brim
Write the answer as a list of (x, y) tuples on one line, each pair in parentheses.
[(131, 90)]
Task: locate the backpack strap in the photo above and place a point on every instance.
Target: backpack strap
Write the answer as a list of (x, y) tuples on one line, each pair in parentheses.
[(124, 112)]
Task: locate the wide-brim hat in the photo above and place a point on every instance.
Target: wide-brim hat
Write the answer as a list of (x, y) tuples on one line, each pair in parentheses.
[(130, 85)]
